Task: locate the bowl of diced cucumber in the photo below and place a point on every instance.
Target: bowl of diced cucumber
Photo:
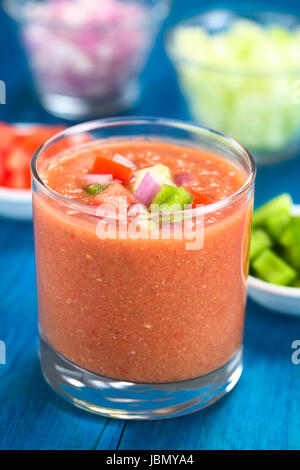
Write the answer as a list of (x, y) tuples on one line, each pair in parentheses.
[(240, 74), (274, 279)]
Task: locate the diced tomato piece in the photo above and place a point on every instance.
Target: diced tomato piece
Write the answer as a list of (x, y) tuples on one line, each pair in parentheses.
[(104, 165), (115, 196), (19, 179), (37, 135), (199, 197), (7, 138), (18, 159), (3, 171), (17, 146)]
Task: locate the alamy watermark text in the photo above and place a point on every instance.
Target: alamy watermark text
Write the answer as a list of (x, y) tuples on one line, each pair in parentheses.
[(2, 92), (2, 352)]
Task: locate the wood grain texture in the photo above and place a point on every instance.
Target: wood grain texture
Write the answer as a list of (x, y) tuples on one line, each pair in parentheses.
[(263, 412)]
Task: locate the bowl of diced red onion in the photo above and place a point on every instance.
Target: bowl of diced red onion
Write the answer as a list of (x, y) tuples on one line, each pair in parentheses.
[(87, 55)]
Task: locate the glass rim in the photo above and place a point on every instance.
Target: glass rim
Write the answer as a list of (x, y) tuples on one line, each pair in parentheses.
[(228, 70), (159, 11), (144, 120)]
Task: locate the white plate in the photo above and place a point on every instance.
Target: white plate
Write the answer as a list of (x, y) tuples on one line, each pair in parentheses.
[(277, 298), (15, 203)]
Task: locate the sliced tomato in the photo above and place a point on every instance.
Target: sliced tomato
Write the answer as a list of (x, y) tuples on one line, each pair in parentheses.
[(115, 196), (199, 197), (104, 165)]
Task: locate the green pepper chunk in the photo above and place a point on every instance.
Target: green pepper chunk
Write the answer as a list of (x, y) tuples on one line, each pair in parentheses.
[(170, 198), (271, 268), (165, 192), (276, 224), (290, 240), (280, 204), (296, 283), (95, 189), (260, 240)]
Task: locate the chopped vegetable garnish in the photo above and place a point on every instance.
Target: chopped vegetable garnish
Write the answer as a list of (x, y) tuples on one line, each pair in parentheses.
[(147, 189), (124, 161), (296, 283), (272, 208), (160, 173), (290, 240), (106, 166), (103, 180), (164, 193), (115, 196), (171, 197), (275, 242), (260, 240), (275, 224), (200, 199), (17, 146), (255, 108), (271, 268), (95, 189)]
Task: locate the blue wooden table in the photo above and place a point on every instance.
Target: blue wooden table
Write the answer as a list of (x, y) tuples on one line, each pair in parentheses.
[(263, 411)]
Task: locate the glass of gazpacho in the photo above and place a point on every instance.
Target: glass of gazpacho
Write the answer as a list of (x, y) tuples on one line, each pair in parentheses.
[(142, 231)]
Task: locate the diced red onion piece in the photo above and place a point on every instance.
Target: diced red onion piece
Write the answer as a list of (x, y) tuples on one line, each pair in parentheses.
[(100, 179), (183, 179), (124, 161), (147, 189)]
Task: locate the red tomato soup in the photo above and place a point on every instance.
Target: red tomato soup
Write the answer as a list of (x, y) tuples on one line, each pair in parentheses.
[(142, 310)]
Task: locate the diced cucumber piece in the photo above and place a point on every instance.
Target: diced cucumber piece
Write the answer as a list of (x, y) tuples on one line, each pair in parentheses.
[(260, 240), (257, 109), (290, 240), (279, 204), (271, 268)]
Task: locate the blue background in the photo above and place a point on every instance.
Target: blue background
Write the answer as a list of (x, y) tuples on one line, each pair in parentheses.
[(263, 411)]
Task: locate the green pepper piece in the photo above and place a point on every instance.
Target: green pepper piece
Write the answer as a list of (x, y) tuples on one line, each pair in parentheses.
[(170, 198), (163, 194), (276, 224), (260, 240), (296, 283), (271, 268), (290, 240), (95, 189), (279, 204)]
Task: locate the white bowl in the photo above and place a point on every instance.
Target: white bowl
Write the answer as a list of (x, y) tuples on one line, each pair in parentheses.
[(15, 203), (277, 298)]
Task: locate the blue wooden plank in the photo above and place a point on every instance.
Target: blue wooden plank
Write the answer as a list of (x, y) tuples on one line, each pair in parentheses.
[(32, 416), (263, 410)]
